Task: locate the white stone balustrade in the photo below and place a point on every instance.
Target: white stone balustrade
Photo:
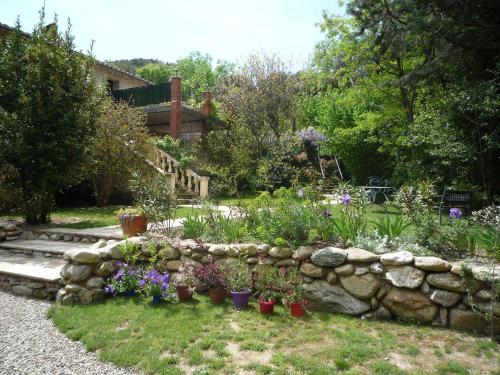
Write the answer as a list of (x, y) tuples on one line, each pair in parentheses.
[(185, 178)]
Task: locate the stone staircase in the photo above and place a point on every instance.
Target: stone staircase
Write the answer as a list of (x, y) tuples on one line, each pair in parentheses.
[(30, 264), (184, 180)]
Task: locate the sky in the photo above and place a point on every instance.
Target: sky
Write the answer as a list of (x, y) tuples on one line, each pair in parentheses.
[(167, 30)]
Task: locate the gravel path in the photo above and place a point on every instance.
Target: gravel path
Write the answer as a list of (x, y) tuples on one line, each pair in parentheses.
[(31, 344)]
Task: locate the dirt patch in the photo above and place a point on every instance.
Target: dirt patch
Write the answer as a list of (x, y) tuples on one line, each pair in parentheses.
[(243, 358), (123, 326), (309, 348), (401, 361), (427, 359), (234, 325)]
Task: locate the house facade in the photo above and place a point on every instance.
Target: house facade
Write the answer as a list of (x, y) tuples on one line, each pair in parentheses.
[(166, 114)]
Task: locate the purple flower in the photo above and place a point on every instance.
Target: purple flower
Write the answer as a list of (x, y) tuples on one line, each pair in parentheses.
[(108, 289), (327, 214), (455, 213), (345, 199), (119, 274), (312, 135), (300, 193)]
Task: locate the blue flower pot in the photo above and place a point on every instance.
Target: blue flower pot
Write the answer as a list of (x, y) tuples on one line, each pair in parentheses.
[(129, 293), (157, 299)]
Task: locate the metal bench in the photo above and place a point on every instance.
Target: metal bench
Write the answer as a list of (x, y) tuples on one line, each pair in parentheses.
[(458, 199)]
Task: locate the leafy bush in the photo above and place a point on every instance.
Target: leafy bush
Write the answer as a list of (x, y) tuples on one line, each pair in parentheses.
[(238, 275), (293, 284), (156, 200), (284, 217), (120, 147), (268, 282), (458, 238), (212, 276)]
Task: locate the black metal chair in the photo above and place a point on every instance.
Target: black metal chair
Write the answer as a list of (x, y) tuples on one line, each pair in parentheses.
[(458, 199)]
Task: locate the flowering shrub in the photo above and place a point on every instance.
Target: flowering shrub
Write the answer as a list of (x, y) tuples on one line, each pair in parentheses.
[(311, 136), (293, 285), (126, 279), (238, 275), (212, 276), (268, 282), (155, 283), (186, 278)]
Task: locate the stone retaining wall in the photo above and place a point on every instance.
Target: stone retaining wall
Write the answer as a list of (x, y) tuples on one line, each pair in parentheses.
[(349, 281), (29, 288)]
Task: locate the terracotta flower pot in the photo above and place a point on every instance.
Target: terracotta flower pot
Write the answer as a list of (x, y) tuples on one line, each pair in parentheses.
[(266, 307), (132, 225), (297, 309), (217, 296), (184, 294)]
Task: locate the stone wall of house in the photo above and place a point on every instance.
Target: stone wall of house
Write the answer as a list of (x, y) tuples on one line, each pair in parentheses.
[(349, 281)]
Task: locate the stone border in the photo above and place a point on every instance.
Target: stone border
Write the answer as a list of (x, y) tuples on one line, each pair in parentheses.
[(350, 281)]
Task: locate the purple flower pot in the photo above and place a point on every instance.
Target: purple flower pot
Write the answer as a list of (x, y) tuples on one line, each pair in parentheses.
[(240, 298), (157, 298)]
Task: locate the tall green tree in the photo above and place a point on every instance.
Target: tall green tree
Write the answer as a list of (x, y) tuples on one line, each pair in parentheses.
[(48, 105), (424, 76)]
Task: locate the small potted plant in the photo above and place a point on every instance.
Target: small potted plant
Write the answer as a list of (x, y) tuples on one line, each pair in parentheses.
[(185, 283), (267, 283), (133, 221), (240, 281), (125, 282), (156, 285), (294, 296), (213, 278)]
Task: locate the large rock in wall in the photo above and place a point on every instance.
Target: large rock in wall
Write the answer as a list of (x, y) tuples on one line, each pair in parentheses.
[(349, 281)]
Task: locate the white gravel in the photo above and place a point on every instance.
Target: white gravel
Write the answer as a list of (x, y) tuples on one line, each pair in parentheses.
[(31, 344)]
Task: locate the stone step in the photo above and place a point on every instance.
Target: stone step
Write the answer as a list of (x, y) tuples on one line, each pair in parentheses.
[(40, 247), (112, 232), (30, 276), (29, 267)]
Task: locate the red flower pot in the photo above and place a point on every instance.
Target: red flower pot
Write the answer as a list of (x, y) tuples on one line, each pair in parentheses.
[(217, 296), (297, 309), (132, 225), (184, 294), (266, 307)]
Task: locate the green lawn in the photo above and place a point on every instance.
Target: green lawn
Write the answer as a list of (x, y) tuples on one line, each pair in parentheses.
[(199, 338), (92, 217)]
